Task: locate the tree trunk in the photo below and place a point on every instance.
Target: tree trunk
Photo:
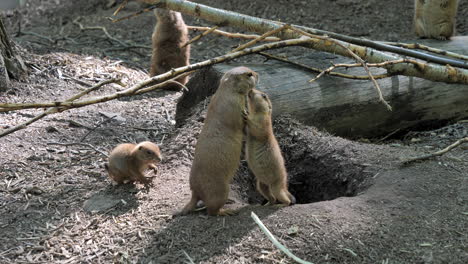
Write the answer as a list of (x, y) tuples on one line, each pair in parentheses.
[(350, 108), (11, 64)]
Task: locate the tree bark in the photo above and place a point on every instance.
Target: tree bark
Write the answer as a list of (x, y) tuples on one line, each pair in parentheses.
[(11, 64), (350, 108)]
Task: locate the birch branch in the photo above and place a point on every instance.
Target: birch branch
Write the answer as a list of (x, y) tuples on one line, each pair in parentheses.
[(55, 109), (171, 76), (230, 34), (369, 53), (427, 48), (260, 38)]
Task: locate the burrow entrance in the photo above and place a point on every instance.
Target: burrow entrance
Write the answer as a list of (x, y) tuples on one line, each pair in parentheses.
[(320, 167)]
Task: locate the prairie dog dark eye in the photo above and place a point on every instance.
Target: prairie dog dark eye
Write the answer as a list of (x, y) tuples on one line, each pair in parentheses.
[(249, 74), (149, 152), (264, 96)]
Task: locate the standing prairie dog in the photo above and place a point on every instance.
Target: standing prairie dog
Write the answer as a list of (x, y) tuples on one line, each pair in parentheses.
[(263, 153), (128, 162), (218, 149), (169, 36), (435, 18)]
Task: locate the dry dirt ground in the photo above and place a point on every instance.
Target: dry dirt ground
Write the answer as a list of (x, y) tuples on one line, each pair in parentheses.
[(58, 206)]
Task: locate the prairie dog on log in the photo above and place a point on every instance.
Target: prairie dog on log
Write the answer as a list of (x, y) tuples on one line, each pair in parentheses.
[(263, 152), (128, 162), (169, 36), (435, 18), (218, 149)]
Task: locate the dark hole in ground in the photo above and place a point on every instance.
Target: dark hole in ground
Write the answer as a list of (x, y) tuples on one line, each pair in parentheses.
[(320, 166)]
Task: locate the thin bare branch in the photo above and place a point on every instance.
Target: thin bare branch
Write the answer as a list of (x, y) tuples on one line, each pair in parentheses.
[(427, 48), (151, 8), (6, 107), (55, 109), (173, 74), (260, 38), (156, 86), (200, 36), (232, 35), (355, 56), (438, 153), (103, 29), (121, 6), (79, 144), (317, 70)]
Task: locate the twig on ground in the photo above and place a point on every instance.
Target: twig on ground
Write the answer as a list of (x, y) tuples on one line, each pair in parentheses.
[(232, 35), (79, 144), (200, 36), (260, 38), (272, 238), (190, 260), (389, 135), (427, 48), (66, 77), (56, 109), (350, 251), (103, 29), (37, 35), (438, 153), (96, 126), (317, 70)]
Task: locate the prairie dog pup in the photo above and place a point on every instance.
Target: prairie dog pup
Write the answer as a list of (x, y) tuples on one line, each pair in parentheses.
[(263, 153), (128, 162), (218, 149), (170, 34), (435, 18)]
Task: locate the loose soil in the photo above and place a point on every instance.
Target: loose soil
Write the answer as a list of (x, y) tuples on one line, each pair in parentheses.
[(357, 203)]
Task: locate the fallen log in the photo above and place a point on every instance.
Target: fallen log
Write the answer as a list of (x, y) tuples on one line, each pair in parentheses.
[(350, 108)]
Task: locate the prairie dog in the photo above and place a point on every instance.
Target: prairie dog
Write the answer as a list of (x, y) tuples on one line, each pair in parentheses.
[(218, 149), (170, 34), (263, 153), (128, 162), (435, 18)]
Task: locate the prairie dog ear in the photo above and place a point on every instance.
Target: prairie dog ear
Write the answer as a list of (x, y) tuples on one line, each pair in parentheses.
[(140, 148)]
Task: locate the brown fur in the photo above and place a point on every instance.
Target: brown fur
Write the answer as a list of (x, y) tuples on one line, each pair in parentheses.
[(263, 152), (128, 162), (218, 149), (170, 34), (435, 18)]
